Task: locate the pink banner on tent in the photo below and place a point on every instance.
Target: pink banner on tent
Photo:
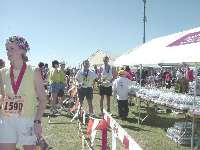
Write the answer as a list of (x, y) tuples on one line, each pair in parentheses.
[(187, 39)]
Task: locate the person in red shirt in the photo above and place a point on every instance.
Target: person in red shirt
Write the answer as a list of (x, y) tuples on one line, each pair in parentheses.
[(128, 73), (189, 74), (167, 78)]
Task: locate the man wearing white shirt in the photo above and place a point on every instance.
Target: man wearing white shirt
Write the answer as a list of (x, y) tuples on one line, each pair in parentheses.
[(85, 78), (105, 88), (121, 89)]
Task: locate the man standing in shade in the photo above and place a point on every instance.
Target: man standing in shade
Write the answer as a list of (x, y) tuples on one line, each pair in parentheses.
[(105, 78), (85, 78)]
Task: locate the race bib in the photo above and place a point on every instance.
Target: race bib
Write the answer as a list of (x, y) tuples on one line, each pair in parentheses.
[(13, 105)]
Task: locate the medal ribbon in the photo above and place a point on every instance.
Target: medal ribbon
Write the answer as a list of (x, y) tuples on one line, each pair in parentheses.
[(16, 85), (85, 73)]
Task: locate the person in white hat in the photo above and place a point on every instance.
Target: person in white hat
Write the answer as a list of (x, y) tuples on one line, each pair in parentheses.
[(121, 87)]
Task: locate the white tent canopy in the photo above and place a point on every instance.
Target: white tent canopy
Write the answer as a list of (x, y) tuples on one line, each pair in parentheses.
[(121, 60), (175, 48)]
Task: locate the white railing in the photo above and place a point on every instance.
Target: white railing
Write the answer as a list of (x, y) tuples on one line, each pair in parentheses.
[(119, 133)]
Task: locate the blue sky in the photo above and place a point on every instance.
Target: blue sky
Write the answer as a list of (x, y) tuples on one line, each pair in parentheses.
[(74, 29)]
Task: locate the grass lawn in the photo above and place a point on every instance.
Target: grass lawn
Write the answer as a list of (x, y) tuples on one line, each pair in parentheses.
[(151, 135)]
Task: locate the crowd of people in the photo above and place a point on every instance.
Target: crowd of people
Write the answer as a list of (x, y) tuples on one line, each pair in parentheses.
[(177, 77), (109, 81), (59, 80), (24, 90)]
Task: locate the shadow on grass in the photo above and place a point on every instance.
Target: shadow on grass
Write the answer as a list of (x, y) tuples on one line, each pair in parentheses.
[(61, 122), (54, 116), (161, 121), (131, 127), (131, 120)]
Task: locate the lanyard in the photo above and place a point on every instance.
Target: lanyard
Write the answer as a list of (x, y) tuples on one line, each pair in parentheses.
[(86, 73), (16, 85)]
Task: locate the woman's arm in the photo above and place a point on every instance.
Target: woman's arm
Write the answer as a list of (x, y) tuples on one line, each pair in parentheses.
[(41, 95)]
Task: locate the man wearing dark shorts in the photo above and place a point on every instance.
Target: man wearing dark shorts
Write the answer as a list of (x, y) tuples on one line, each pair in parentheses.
[(105, 87), (85, 78)]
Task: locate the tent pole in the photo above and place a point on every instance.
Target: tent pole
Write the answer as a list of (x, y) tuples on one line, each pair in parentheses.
[(140, 88), (193, 107), (140, 76), (162, 77)]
